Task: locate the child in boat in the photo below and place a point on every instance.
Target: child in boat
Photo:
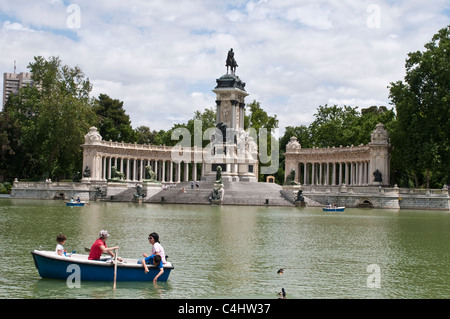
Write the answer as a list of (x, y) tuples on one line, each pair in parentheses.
[(155, 260), (61, 240)]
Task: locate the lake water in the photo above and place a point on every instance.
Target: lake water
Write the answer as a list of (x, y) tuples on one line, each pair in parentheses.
[(235, 252)]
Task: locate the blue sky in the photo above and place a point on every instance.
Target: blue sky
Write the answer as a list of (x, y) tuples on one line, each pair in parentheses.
[(162, 57)]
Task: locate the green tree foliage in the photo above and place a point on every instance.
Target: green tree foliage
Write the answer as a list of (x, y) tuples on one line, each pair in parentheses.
[(336, 126), (48, 120), (207, 119), (422, 101), (258, 119), (115, 124)]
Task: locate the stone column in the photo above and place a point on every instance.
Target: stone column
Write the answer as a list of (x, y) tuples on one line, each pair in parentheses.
[(178, 168), (320, 182), (305, 174), (104, 168), (194, 171), (347, 175), (186, 171), (163, 171)]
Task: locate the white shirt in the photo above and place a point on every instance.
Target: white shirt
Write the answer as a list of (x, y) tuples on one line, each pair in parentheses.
[(157, 248), (60, 248)]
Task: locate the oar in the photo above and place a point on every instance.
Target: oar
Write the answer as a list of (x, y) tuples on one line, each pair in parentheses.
[(115, 268)]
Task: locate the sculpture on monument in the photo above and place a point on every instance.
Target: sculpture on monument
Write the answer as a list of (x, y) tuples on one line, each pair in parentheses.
[(218, 175), (150, 175), (87, 172), (290, 179), (231, 62), (116, 176), (377, 176)]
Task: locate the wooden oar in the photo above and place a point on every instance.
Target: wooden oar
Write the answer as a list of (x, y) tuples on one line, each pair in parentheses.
[(115, 268)]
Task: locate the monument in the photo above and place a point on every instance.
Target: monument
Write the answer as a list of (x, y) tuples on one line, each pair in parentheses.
[(232, 149)]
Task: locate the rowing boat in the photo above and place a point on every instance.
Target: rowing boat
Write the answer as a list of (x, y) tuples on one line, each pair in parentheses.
[(75, 204), (333, 209), (51, 265)]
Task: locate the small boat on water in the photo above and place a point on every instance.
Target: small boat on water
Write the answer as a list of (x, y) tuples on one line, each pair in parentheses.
[(50, 265), (333, 209), (75, 203)]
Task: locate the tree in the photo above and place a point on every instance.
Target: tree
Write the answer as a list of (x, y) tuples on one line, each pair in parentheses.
[(259, 119), (422, 102), (334, 126), (144, 135), (115, 124), (52, 115)]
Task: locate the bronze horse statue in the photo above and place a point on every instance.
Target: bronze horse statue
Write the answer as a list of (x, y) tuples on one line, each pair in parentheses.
[(231, 62)]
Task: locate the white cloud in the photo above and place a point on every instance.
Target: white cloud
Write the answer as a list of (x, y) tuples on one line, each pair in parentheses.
[(162, 58), (14, 26)]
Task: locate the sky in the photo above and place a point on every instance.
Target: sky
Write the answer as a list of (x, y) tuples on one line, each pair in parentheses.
[(162, 57)]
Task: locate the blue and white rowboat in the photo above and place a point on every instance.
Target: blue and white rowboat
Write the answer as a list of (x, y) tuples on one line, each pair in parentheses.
[(333, 209), (75, 204), (50, 265)]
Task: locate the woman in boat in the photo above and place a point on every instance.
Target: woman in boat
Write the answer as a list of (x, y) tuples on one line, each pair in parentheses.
[(157, 249), (99, 247)]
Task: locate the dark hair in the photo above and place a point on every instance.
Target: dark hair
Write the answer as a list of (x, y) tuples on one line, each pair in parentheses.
[(155, 237), (157, 259), (60, 238)]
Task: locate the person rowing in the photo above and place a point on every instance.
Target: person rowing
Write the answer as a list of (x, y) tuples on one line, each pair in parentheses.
[(99, 247)]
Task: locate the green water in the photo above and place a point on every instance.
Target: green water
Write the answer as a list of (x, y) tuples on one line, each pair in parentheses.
[(235, 252)]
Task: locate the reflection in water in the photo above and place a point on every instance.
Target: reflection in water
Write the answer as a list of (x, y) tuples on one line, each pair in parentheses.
[(235, 252)]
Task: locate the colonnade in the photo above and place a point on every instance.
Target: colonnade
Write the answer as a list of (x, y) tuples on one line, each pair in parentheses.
[(134, 169), (352, 165), (333, 173)]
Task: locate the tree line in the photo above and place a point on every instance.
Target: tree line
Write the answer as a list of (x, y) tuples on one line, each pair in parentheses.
[(43, 125)]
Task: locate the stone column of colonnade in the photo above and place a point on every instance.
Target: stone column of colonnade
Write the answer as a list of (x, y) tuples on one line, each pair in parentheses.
[(134, 169), (355, 173)]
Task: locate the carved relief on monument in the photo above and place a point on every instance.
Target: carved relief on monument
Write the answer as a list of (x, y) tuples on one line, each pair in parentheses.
[(93, 136), (225, 116), (380, 135)]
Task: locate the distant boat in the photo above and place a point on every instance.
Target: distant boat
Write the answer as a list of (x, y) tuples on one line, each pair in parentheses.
[(50, 265), (333, 209), (75, 204)]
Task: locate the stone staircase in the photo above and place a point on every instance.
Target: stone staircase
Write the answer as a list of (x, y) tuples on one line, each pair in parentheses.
[(198, 195), (254, 194), (291, 197), (235, 193), (126, 195), (241, 193)]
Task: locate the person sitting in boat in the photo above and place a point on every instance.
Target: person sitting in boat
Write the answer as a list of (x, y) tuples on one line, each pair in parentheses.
[(155, 260), (99, 247), (61, 240), (78, 200), (157, 249)]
